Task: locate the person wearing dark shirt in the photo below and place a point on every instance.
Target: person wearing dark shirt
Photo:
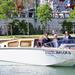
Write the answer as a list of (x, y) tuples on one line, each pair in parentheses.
[(39, 42), (46, 40), (67, 38)]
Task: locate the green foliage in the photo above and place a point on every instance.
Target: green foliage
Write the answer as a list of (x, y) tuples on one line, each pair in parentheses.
[(18, 27), (21, 28), (7, 7), (39, 30), (44, 14), (31, 29), (67, 26), (15, 27), (72, 15)]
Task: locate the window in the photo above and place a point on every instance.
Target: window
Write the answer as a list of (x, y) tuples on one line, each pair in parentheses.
[(27, 43), (13, 44)]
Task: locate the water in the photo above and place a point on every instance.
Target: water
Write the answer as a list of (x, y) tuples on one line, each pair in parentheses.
[(35, 70)]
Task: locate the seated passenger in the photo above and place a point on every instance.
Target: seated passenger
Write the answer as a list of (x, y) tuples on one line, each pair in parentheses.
[(46, 40), (55, 41), (67, 38), (39, 42)]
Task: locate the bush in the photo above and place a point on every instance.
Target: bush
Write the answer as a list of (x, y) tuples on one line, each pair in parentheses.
[(67, 26)]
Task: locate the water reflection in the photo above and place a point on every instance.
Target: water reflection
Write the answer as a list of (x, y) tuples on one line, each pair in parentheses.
[(35, 70)]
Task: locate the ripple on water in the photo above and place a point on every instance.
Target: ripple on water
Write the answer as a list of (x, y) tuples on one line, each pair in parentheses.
[(22, 69)]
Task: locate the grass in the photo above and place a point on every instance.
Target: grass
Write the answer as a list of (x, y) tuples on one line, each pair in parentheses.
[(27, 36), (20, 36)]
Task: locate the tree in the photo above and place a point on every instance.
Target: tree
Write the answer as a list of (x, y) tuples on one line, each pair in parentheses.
[(20, 27), (39, 30), (7, 7), (15, 27), (72, 15), (31, 29), (23, 27), (67, 26), (44, 14)]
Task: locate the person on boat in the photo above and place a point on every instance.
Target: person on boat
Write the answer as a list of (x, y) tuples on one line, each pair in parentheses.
[(39, 42), (55, 40), (67, 38), (53, 32), (46, 40)]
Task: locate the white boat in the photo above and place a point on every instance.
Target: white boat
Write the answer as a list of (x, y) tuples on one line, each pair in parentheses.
[(24, 51)]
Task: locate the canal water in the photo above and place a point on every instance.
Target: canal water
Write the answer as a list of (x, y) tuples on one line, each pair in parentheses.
[(35, 70)]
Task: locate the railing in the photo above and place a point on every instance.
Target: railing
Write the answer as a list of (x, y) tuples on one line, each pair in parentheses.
[(60, 15)]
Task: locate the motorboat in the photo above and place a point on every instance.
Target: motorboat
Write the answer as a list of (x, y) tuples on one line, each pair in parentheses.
[(24, 51)]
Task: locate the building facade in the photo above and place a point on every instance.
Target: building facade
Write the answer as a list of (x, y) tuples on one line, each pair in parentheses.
[(26, 9)]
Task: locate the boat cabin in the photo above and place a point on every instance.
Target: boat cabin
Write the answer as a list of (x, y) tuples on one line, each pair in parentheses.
[(30, 43), (18, 43)]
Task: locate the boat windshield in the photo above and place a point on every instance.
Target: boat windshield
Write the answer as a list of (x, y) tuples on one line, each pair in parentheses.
[(69, 41), (51, 44), (70, 46)]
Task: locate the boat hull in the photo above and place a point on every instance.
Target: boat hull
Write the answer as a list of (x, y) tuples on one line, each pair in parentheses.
[(38, 56)]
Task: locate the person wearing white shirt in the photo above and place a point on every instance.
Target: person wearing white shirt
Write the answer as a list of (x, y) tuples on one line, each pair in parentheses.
[(55, 40)]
